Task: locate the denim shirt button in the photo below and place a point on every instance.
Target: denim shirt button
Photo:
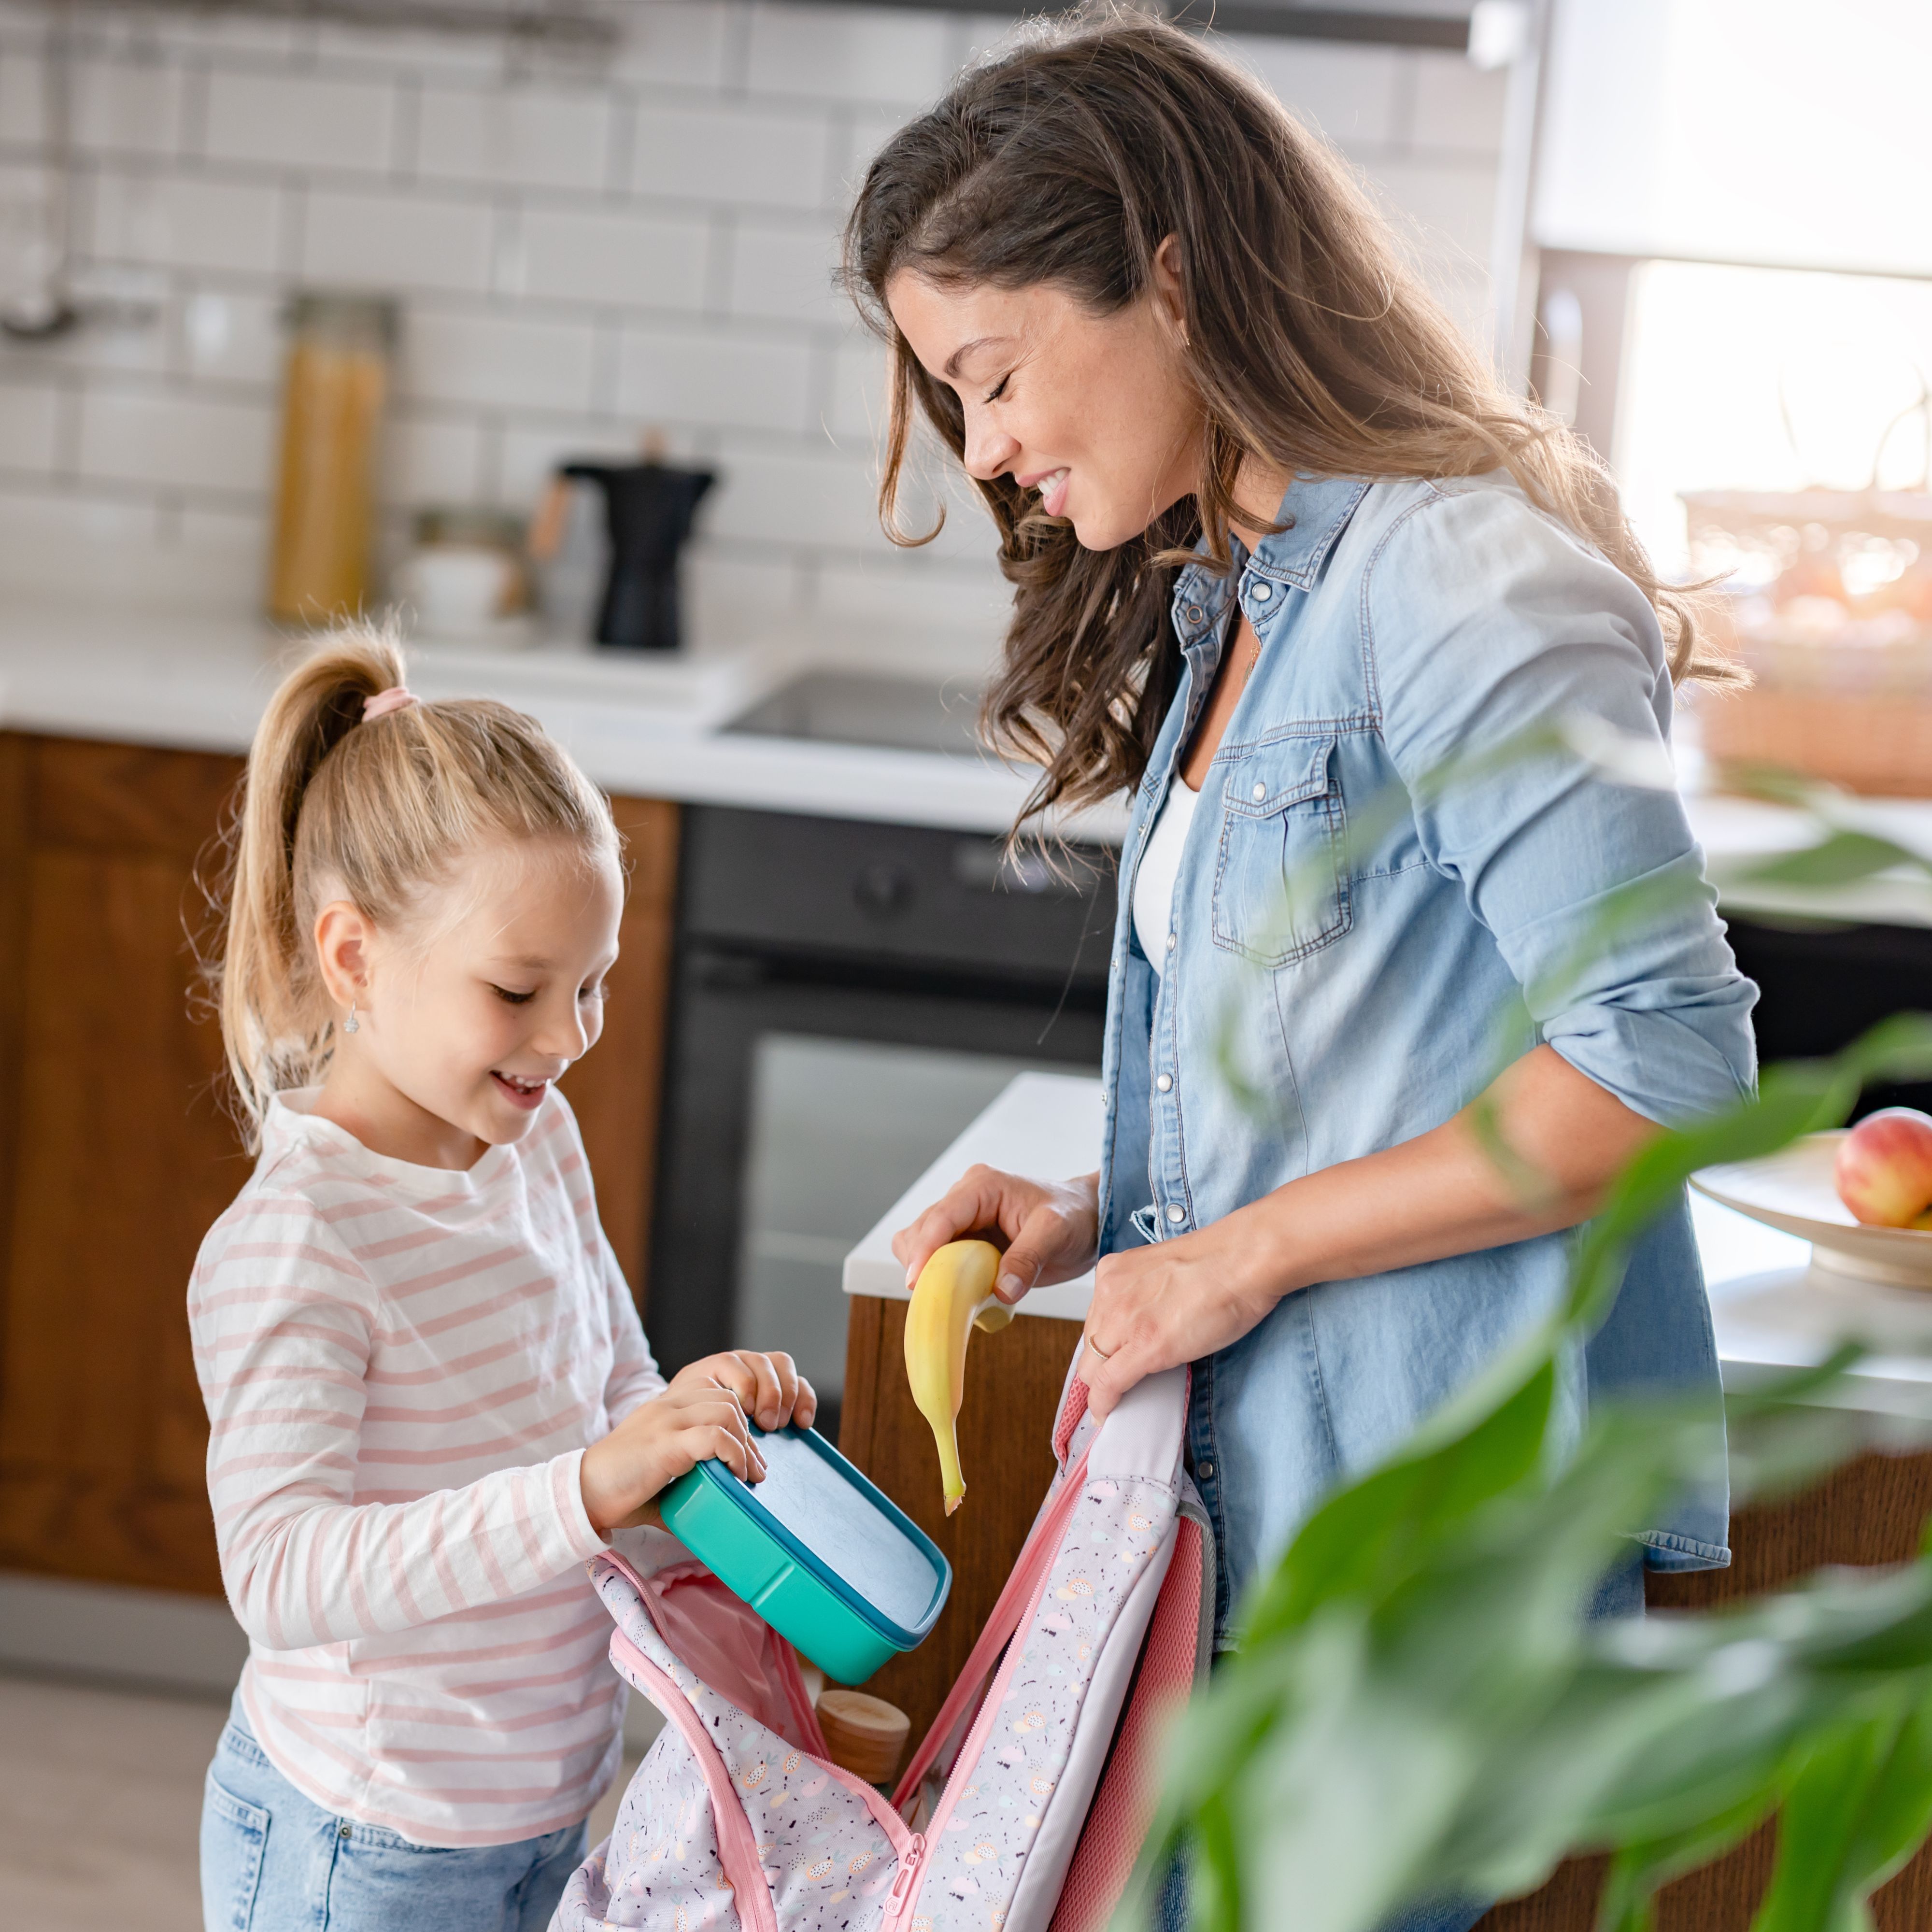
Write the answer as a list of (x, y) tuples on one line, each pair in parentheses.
[(1261, 792), (1166, 1081), (1206, 1472), (1263, 591), (1194, 613), (1171, 937), (1177, 1213)]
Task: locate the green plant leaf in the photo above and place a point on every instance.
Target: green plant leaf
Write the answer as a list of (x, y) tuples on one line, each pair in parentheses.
[(1841, 859)]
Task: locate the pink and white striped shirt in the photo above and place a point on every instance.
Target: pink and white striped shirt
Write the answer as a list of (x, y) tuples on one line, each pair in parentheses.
[(402, 1366)]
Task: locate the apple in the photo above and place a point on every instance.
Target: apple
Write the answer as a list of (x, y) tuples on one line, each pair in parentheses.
[(1884, 1169)]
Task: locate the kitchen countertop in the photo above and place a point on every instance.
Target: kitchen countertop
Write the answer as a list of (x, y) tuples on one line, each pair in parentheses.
[(641, 727), (652, 728), (1772, 1309)]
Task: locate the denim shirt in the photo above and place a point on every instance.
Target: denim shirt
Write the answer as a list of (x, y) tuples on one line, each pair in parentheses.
[(1352, 956)]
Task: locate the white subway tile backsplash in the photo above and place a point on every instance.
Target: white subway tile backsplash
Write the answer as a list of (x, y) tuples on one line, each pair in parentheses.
[(67, 544), (845, 53), (232, 335), (176, 437), (1348, 92), (805, 497), (532, 451), (730, 592), (62, 542), (394, 239), (1457, 105), (432, 460), (22, 96), (764, 157), (555, 227), (127, 107), (633, 257), (856, 409), (386, 50), (713, 378), (29, 422), (497, 360), (515, 135), (898, 599), (300, 120), (184, 221), (783, 272), (677, 42), (869, 129)]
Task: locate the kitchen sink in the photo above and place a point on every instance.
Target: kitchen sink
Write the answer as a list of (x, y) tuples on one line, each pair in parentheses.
[(853, 707)]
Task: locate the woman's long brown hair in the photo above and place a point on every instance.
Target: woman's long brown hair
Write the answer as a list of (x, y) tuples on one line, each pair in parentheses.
[(1311, 344)]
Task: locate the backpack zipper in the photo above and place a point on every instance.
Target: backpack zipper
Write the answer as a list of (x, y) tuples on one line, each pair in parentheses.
[(899, 1901)]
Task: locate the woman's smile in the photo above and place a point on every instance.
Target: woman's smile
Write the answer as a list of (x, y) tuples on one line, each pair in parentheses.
[(1052, 484)]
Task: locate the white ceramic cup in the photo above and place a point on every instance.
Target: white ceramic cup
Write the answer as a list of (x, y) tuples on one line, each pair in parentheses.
[(458, 589)]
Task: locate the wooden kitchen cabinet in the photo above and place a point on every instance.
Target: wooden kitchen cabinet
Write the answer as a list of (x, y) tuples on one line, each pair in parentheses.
[(1013, 1380), (115, 1153)]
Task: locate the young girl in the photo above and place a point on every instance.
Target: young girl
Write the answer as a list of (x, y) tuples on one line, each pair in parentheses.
[(431, 1397)]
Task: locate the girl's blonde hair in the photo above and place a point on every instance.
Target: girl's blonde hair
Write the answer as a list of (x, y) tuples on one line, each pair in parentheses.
[(377, 813)]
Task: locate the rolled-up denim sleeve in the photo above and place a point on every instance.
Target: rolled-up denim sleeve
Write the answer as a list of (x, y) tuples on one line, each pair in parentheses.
[(1482, 621)]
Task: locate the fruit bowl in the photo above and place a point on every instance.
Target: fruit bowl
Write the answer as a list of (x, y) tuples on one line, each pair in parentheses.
[(1793, 1190)]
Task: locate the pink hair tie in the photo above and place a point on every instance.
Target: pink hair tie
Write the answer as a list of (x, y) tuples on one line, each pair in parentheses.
[(384, 702)]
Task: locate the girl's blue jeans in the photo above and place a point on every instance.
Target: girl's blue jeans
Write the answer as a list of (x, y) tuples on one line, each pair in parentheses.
[(273, 1861)]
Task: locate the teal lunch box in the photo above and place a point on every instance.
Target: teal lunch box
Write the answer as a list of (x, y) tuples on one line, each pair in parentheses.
[(826, 1559)]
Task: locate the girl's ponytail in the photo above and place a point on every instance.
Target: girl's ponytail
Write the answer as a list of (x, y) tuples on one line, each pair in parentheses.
[(267, 1026), (375, 811)]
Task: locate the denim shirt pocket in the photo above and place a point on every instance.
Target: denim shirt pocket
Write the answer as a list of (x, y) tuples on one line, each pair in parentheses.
[(1280, 885)]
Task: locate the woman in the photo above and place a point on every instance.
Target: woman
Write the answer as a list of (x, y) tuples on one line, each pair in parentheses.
[(1282, 549)]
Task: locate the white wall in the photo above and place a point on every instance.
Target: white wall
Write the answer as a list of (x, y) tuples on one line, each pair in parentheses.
[(583, 249)]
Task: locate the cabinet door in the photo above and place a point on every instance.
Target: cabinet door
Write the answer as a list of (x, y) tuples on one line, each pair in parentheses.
[(118, 1153), (614, 1090), (1013, 1384)]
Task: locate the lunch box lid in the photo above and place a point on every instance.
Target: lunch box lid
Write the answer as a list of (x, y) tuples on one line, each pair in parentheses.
[(841, 1529)]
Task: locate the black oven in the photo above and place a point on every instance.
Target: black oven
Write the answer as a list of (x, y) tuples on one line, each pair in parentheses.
[(847, 997)]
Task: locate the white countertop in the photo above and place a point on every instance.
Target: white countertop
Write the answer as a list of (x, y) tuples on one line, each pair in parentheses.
[(1772, 1309), (641, 727), (651, 728)]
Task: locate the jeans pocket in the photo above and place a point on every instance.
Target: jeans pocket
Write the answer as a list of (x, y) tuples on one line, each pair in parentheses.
[(234, 1836)]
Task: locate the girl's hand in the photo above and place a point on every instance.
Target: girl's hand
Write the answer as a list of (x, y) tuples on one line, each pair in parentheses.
[(1154, 1308), (770, 1389), (691, 1422), (1052, 1228)]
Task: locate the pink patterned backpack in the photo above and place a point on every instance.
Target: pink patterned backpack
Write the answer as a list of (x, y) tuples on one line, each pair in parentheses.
[(1023, 1810)]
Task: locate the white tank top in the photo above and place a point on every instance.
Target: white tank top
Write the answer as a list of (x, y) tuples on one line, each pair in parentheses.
[(1160, 866)]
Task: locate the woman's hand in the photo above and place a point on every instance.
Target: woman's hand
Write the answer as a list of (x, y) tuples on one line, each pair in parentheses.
[(1450, 1191), (1051, 1227), (700, 1417), (1154, 1308)]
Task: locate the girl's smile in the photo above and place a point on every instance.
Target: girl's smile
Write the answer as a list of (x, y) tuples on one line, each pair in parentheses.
[(469, 1015)]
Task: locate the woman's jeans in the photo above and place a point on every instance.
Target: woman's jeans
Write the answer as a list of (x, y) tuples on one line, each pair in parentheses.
[(273, 1861)]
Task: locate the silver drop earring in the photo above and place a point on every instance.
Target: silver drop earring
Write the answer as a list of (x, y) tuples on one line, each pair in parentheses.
[(352, 1024)]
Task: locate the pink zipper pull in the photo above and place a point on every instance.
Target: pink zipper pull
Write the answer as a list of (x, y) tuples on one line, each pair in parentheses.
[(908, 1870)]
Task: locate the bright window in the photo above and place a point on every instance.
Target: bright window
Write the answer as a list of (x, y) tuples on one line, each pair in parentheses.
[(1759, 379)]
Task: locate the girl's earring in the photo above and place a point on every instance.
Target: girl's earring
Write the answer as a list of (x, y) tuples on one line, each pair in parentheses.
[(352, 1024)]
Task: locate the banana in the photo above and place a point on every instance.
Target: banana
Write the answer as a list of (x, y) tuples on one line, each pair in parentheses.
[(953, 1296)]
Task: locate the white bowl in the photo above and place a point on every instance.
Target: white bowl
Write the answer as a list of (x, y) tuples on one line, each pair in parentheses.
[(1793, 1190)]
